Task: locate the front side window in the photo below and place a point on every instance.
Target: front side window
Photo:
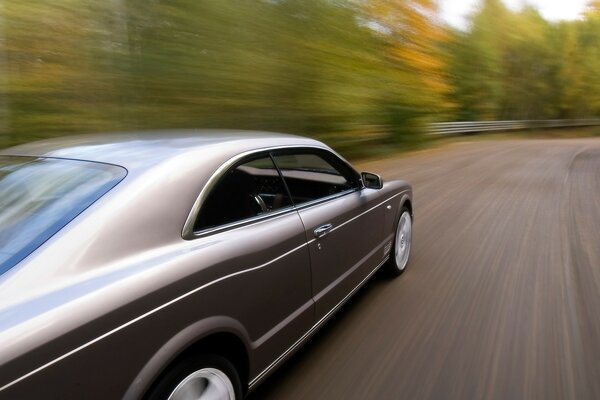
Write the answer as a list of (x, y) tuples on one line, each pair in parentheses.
[(313, 175), (249, 189), (39, 196)]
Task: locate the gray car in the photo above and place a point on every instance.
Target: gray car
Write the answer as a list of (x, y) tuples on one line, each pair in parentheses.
[(180, 265)]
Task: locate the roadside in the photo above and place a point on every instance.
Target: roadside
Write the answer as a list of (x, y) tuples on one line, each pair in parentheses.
[(434, 143)]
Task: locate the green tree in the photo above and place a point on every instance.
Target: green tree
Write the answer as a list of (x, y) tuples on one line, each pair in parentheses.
[(516, 65)]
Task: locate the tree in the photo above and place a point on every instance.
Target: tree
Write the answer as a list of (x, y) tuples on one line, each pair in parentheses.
[(414, 35), (516, 65)]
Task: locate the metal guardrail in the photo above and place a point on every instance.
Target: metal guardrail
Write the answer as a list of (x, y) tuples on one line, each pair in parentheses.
[(458, 128)]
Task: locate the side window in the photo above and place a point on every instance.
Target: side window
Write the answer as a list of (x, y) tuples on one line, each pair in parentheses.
[(315, 175), (247, 190)]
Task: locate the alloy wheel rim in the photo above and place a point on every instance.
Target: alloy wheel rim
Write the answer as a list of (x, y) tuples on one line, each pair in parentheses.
[(204, 384), (403, 240)]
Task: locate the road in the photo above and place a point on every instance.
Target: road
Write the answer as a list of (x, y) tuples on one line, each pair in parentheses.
[(501, 298)]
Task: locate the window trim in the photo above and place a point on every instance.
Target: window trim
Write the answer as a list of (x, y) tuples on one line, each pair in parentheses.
[(188, 232), (313, 152), (248, 158)]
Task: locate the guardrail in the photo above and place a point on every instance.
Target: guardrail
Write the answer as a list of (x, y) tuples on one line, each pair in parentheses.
[(458, 128)]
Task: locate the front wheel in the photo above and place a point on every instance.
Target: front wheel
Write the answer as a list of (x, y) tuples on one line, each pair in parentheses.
[(402, 242), (209, 377)]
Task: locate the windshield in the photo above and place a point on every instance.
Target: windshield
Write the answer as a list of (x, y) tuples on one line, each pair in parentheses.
[(39, 196)]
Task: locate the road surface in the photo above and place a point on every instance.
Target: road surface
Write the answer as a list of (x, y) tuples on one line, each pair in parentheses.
[(501, 298)]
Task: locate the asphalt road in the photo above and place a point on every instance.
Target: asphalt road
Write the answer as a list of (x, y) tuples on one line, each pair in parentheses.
[(501, 298)]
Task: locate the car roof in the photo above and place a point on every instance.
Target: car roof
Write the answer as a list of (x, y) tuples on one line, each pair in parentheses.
[(140, 150)]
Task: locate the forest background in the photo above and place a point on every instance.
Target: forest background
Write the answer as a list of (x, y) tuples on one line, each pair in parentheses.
[(358, 74)]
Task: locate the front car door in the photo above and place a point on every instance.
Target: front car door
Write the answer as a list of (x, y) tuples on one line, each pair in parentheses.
[(343, 222)]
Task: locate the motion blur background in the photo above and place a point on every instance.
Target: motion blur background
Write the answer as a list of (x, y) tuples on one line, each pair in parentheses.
[(362, 75)]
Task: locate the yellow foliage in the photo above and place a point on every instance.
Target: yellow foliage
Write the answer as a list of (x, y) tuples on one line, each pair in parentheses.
[(414, 34)]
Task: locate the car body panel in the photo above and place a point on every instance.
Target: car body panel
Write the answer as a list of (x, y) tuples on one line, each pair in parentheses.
[(106, 303), (341, 258), (266, 270)]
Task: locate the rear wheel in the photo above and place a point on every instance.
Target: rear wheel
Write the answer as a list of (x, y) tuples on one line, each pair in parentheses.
[(402, 244), (208, 377)]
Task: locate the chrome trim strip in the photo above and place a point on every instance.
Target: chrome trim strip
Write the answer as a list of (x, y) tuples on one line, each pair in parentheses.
[(348, 272), (282, 324), (262, 217), (187, 294), (311, 203), (317, 325), (369, 210), (361, 214), (244, 222)]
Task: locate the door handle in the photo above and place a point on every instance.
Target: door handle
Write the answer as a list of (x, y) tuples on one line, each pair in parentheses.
[(323, 230)]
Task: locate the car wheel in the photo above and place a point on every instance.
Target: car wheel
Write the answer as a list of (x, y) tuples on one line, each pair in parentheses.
[(208, 377), (402, 242)]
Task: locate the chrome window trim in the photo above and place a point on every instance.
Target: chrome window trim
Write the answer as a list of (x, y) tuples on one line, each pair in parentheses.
[(274, 214), (241, 223), (188, 232), (315, 202)]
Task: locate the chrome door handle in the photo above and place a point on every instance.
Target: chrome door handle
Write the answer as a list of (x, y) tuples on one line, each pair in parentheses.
[(323, 230)]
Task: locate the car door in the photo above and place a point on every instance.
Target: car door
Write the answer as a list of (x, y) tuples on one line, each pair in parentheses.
[(249, 225), (342, 220)]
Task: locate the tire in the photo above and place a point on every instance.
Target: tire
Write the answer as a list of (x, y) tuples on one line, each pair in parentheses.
[(206, 377), (402, 244)]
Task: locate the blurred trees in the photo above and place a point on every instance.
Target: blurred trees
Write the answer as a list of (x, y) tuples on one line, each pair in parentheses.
[(511, 65), (307, 66), (351, 72), (412, 34)]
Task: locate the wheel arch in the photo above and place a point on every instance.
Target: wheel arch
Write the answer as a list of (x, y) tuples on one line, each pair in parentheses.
[(407, 202), (217, 335)]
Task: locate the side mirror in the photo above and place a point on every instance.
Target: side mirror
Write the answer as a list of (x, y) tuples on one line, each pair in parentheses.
[(371, 181)]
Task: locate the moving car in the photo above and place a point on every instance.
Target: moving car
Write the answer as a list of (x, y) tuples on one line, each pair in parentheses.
[(180, 265)]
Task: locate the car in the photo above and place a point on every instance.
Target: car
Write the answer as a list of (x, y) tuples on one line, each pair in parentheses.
[(180, 264)]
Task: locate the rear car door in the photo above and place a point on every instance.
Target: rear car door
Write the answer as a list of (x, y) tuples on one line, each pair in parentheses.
[(342, 221)]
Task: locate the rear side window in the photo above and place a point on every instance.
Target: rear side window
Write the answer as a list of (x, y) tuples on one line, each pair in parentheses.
[(40, 196), (249, 189), (313, 175)]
